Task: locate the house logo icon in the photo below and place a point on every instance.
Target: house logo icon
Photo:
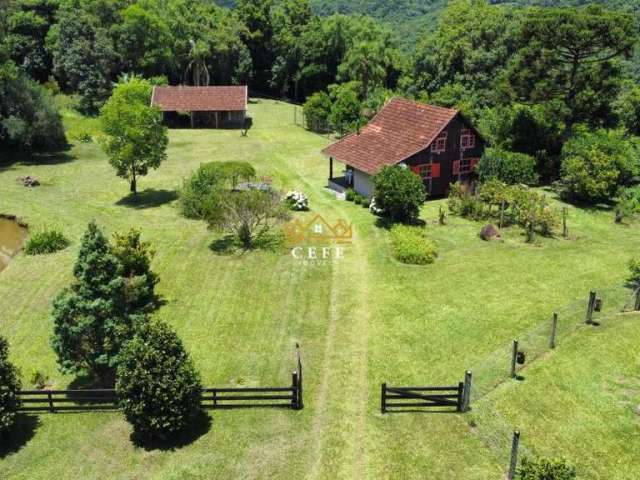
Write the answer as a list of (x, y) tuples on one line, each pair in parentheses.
[(318, 230)]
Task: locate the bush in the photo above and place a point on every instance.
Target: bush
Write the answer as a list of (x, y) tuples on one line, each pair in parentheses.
[(47, 240), (411, 245), (545, 469), (38, 379), (349, 195), (634, 269), (628, 203), (596, 164), (317, 109), (297, 201), (357, 199), (10, 384), (508, 167), (399, 193), (157, 384), (366, 203), (209, 178)]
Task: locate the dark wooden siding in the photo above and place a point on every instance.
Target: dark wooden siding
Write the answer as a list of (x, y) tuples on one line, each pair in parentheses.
[(439, 187)]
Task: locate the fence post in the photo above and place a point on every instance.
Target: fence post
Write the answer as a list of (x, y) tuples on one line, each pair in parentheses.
[(502, 207), (460, 396), (554, 329), (637, 305), (514, 355), (466, 397), (383, 399), (591, 305), (515, 443), (294, 391), (300, 378), (565, 230), (50, 401)]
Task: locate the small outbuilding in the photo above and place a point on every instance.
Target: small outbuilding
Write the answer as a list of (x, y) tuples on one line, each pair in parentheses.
[(202, 107), (438, 144)]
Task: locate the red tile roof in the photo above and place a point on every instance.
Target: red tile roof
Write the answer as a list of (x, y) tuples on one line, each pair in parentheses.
[(401, 129), (200, 99)]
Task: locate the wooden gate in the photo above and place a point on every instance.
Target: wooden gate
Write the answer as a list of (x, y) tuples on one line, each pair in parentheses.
[(451, 398)]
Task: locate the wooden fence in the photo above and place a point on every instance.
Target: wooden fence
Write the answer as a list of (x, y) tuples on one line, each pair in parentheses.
[(408, 398), (212, 398)]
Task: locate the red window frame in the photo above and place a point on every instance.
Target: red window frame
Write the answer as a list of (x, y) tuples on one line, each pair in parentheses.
[(467, 138), (427, 171), (439, 145)]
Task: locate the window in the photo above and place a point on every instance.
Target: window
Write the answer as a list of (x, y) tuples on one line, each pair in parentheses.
[(428, 171), (467, 165), (439, 145), (467, 138)]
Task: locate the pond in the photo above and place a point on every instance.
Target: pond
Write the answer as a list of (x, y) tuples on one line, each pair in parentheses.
[(12, 237)]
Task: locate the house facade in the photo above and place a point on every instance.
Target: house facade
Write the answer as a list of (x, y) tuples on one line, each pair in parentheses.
[(438, 144), (202, 107)]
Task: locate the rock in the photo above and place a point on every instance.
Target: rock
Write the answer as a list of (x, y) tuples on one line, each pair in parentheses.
[(490, 232), (30, 181)]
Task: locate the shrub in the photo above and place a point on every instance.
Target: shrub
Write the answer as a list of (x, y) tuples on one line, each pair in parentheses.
[(596, 164), (357, 199), (634, 269), (628, 203), (317, 109), (366, 203), (209, 178), (158, 386), (399, 193), (10, 384), (508, 167), (545, 469), (297, 201), (411, 245), (47, 240), (349, 195), (38, 379)]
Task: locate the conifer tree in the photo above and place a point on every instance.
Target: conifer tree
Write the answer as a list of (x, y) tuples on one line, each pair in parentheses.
[(9, 385)]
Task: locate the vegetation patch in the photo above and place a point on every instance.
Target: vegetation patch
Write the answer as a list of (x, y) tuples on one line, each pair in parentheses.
[(411, 245), (45, 241)]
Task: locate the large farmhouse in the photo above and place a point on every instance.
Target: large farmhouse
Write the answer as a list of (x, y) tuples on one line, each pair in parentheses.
[(202, 107), (436, 143)]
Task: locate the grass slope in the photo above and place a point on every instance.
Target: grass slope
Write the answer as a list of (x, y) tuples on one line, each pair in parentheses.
[(360, 321)]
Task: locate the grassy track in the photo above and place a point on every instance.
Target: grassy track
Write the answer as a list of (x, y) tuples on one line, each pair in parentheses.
[(360, 321)]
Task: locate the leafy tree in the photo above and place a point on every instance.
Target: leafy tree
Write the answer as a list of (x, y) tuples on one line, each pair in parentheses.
[(157, 383), (29, 117), (508, 167), (247, 215), (627, 108), (317, 110), (256, 16), (596, 164), (628, 203), (91, 322), (135, 257), (571, 55), (545, 469), (366, 63), (470, 47), (84, 58), (346, 111), (399, 193), (9, 385), (28, 25), (135, 138)]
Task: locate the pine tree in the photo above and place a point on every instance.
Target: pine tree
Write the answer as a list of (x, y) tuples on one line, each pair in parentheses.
[(91, 322)]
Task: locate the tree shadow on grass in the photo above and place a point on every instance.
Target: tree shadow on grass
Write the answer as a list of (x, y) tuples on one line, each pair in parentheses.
[(229, 245), (387, 223), (9, 158), (199, 427), (19, 434), (149, 198)]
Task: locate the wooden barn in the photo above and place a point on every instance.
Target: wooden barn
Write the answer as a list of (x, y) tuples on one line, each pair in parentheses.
[(436, 143), (202, 107)]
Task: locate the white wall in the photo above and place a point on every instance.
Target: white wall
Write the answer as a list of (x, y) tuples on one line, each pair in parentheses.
[(362, 183)]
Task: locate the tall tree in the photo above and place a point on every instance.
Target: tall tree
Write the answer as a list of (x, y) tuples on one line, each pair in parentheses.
[(571, 56), (135, 139), (90, 319), (9, 385), (256, 15)]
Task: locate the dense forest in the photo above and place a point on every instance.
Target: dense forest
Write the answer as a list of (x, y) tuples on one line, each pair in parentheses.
[(531, 78)]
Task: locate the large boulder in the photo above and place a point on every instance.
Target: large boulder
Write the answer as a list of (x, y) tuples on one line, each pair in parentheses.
[(490, 232)]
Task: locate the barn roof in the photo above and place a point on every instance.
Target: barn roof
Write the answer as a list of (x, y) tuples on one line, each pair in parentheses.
[(401, 129), (200, 99)]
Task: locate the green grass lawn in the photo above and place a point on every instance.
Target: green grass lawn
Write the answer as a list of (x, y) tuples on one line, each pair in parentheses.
[(360, 321)]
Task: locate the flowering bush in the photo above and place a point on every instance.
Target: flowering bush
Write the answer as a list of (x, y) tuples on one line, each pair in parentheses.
[(297, 201)]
